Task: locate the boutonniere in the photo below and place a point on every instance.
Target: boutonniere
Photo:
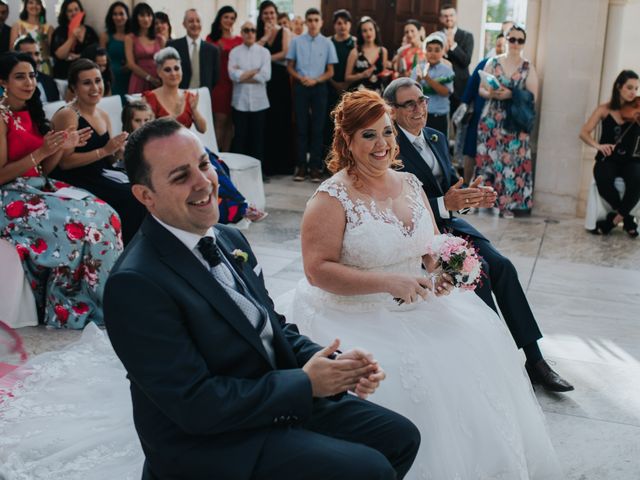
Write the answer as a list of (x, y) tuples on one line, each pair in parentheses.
[(240, 256), (434, 138)]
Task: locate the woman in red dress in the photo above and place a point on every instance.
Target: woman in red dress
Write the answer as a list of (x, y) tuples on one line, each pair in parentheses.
[(68, 240), (222, 37)]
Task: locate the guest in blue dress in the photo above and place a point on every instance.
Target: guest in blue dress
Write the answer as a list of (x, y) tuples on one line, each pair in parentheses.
[(117, 23)]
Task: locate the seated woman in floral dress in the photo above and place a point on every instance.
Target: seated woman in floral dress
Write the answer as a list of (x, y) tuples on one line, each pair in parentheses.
[(67, 240)]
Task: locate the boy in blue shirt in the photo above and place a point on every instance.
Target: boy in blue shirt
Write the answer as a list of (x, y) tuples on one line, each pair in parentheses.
[(437, 84), (310, 63)]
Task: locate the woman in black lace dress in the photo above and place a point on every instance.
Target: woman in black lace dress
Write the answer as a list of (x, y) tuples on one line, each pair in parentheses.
[(91, 166), (366, 62), (279, 150)]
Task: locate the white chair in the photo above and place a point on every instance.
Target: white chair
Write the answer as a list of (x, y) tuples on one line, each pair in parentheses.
[(246, 171), (112, 105), (17, 305), (62, 86), (597, 207)]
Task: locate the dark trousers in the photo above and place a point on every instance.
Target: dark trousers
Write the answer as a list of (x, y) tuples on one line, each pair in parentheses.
[(502, 279), (349, 438), (606, 171), (440, 122), (248, 138), (310, 105)]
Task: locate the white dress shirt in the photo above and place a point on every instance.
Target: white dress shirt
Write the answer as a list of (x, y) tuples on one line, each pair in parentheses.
[(432, 162), (250, 96)]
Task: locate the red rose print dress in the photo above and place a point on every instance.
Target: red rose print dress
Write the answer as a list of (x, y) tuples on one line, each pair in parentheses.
[(67, 246), (503, 158)]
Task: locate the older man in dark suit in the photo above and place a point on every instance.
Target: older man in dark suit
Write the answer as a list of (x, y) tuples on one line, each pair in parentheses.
[(459, 51), (200, 60), (424, 152), (221, 386)]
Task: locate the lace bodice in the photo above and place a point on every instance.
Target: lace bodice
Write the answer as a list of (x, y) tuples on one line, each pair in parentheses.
[(375, 237)]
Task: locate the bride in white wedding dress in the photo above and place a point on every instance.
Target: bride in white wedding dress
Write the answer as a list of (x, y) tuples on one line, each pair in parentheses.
[(452, 366)]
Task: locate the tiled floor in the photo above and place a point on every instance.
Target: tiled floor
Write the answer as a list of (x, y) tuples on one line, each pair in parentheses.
[(585, 292)]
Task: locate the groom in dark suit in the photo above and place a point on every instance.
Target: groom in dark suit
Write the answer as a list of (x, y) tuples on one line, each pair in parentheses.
[(424, 152), (199, 59), (222, 387)]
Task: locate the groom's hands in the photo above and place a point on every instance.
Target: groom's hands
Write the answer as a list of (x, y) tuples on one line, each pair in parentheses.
[(329, 377)]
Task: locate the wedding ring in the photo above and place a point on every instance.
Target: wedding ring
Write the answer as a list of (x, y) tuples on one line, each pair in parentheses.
[(466, 200)]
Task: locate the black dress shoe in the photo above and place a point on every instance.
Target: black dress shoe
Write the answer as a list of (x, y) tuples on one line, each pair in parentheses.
[(541, 373)]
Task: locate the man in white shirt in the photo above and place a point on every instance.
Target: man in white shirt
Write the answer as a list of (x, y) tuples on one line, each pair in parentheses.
[(249, 70)]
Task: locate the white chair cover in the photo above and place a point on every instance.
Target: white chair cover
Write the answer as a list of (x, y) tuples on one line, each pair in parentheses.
[(597, 207), (17, 305)]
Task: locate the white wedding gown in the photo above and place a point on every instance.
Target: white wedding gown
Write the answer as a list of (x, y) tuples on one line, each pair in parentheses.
[(451, 364)]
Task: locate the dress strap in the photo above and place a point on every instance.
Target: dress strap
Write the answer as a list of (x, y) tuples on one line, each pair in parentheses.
[(338, 190)]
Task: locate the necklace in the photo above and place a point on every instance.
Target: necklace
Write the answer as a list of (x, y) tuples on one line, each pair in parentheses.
[(6, 113)]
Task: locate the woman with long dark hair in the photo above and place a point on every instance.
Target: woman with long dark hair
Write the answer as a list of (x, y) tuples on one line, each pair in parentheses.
[(117, 28), (33, 22), (67, 243), (367, 61), (163, 25), (279, 157), (91, 166), (618, 154), (68, 45), (222, 36), (140, 46)]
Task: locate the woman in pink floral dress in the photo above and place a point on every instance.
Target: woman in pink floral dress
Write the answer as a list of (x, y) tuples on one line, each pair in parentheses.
[(503, 157), (67, 240)]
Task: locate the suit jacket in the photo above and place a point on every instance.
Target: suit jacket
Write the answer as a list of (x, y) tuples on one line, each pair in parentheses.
[(49, 86), (209, 62), (460, 58), (414, 163), (204, 392)]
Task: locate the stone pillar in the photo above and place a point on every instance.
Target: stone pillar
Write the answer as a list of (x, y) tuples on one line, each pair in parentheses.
[(570, 49)]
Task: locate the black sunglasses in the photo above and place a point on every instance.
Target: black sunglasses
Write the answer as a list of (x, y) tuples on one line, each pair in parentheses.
[(516, 40), (176, 68), (249, 30)]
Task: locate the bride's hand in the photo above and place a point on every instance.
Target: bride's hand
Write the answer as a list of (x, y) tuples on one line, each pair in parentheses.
[(407, 289), (444, 285)]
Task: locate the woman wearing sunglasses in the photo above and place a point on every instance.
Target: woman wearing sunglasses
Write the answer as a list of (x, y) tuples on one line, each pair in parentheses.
[(503, 155), (168, 100)]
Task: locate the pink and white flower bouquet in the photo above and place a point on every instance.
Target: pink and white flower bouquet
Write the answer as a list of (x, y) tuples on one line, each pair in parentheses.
[(458, 258)]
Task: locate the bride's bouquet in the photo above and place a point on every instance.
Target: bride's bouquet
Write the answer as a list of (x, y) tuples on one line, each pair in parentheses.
[(456, 257)]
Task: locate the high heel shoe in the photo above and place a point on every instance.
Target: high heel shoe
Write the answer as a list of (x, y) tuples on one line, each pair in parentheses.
[(604, 227), (630, 226)]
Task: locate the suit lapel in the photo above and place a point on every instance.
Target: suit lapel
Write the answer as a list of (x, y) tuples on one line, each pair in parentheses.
[(281, 346), (416, 163), (177, 257)]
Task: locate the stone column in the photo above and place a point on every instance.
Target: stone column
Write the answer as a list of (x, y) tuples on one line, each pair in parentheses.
[(570, 49)]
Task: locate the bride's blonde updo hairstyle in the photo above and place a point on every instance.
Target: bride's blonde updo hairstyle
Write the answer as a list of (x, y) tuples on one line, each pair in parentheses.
[(356, 110)]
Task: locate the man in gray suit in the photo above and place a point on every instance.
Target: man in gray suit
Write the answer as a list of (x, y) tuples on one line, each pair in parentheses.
[(200, 59)]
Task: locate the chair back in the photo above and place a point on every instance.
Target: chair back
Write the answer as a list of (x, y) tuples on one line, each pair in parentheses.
[(112, 105)]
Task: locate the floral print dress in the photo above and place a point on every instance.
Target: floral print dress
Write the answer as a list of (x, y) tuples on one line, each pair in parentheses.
[(67, 246), (503, 158)]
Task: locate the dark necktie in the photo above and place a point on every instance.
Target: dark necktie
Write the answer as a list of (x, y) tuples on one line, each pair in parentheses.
[(209, 251)]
